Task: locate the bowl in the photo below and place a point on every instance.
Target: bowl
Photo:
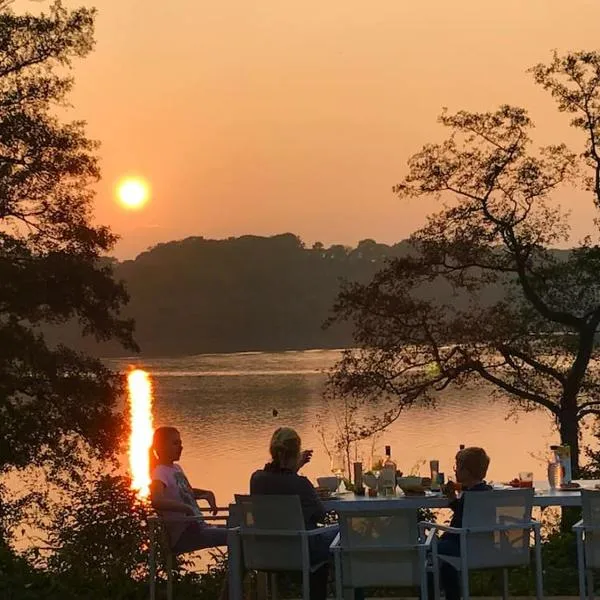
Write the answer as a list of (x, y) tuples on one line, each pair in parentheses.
[(323, 493), (328, 483), (412, 485)]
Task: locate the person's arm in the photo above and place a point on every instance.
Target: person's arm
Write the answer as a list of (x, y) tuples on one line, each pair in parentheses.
[(208, 496), (450, 493), (304, 459), (161, 503)]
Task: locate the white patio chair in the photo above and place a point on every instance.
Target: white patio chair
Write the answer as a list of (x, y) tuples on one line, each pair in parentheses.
[(587, 532), (496, 532), (159, 538), (382, 548), (274, 537)]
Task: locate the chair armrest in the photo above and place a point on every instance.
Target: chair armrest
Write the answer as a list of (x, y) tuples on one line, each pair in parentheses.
[(581, 526), (274, 532), (512, 527), (335, 545), (307, 533), (425, 525), (430, 539), (183, 519), (320, 530), (376, 548)]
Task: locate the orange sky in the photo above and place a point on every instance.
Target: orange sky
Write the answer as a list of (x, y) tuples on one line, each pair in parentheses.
[(275, 115)]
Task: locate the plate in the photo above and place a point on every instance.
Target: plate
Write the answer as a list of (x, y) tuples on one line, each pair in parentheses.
[(569, 489)]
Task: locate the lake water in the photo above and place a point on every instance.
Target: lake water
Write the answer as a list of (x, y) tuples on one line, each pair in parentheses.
[(223, 406)]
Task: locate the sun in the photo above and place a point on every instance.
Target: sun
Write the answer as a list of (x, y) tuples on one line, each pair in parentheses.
[(133, 192)]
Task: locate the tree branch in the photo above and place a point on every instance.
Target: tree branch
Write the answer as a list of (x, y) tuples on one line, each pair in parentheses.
[(589, 411), (556, 316), (514, 390), (506, 350)]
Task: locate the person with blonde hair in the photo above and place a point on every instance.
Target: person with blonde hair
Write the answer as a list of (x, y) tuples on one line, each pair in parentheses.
[(280, 477)]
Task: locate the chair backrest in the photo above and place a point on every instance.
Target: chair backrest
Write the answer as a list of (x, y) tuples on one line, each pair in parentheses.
[(590, 503), (379, 548), (497, 507), (261, 514)]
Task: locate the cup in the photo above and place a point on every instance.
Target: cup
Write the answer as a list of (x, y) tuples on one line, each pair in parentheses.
[(526, 479)]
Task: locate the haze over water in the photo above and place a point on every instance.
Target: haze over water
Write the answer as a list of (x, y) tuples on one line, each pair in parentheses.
[(223, 406)]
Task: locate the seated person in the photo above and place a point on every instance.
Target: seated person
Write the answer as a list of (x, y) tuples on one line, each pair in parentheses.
[(173, 497), (471, 468), (280, 477)]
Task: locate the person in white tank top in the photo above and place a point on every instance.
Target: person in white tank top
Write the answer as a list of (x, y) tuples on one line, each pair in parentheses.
[(173, 497)]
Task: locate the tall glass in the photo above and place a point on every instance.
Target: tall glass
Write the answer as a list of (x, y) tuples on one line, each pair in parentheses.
[(338, 465), (554, 475)]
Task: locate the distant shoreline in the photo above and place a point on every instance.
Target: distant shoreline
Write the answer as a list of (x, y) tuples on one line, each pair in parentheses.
[(141, 356)]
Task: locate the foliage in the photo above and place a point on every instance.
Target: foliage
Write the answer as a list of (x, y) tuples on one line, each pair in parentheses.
[(100, 536), (534, 343), (352, 440), (97, 548), (54, 401)]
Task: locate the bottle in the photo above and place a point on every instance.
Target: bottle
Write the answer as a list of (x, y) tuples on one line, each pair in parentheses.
[(388, 457), (359, 489), (388, 474)]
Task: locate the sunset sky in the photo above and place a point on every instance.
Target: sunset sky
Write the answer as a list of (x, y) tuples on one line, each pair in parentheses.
[(269, 116)]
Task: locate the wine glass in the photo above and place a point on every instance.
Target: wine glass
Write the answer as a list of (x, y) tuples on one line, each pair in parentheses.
[(338, 465)]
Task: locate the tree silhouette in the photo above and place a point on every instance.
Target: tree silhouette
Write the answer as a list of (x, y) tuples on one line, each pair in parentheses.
[(54, 401), (536, 342)]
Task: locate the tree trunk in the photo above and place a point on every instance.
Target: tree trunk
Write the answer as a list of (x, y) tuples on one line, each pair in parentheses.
[(569, 435)]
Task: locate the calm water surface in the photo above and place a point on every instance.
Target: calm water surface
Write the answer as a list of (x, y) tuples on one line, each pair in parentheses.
[(223, 406)]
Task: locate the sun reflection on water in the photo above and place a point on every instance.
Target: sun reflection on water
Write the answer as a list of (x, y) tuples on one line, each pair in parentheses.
[(140, 439)]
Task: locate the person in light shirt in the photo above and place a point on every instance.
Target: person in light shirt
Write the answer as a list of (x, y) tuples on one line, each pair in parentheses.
[(173, 497)]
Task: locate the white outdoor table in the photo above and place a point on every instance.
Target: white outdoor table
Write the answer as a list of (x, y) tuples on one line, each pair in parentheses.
[(543, 498)]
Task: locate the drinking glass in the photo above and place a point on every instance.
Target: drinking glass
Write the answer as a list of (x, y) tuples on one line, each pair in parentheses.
[(554, 475), (338, 465)]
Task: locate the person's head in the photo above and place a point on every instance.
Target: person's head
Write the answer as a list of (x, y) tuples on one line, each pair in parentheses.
[(285, 447), (471, 465), (166, 446)]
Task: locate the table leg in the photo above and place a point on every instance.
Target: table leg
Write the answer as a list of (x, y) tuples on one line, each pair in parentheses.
[(234, 551)]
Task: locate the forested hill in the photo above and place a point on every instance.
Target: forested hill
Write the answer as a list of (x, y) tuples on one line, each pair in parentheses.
[(249, 293)]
